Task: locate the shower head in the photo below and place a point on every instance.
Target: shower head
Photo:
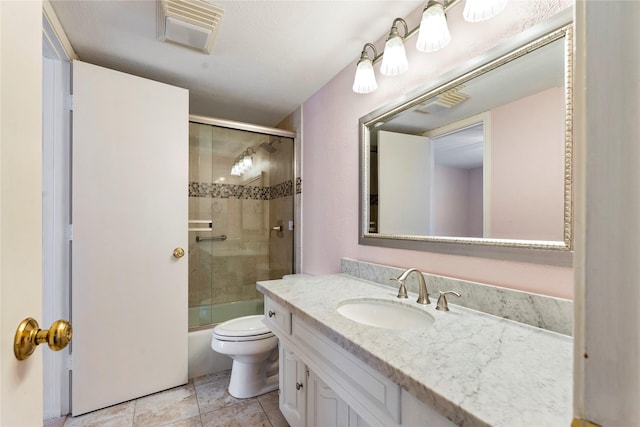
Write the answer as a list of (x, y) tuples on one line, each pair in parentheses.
[(268, 146)]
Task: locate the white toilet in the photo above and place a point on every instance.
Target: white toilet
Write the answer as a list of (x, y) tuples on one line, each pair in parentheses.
[(254, 350)]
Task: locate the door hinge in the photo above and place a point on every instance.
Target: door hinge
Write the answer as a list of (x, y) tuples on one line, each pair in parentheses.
[(68, 232), (69, 362), (68, 103)]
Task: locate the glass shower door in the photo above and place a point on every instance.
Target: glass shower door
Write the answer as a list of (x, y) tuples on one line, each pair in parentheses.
[(240, 220)]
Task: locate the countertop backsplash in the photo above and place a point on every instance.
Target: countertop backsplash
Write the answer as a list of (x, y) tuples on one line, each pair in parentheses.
[(550, 313)]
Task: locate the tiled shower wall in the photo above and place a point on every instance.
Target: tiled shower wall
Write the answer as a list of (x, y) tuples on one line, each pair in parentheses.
[(281, 210), (243, 208)]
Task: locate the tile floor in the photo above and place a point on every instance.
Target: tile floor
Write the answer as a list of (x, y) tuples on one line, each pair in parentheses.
[(203, 402)]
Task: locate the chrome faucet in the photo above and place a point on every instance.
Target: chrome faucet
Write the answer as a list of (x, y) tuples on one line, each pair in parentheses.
[(423, 296)]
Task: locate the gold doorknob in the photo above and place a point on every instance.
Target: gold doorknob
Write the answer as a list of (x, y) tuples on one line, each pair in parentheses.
[(178, 252), (29, 336)]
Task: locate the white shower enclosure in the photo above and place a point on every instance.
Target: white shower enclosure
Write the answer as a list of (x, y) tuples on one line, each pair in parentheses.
[(241, 213)]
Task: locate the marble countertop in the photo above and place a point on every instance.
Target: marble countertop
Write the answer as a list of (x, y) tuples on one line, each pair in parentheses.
[(475, 368)]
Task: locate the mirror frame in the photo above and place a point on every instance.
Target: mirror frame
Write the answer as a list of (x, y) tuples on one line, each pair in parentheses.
[(537, 251)]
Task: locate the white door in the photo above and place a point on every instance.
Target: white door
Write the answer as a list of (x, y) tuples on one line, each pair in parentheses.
[(129, 212), (20, 207), (404, 171)]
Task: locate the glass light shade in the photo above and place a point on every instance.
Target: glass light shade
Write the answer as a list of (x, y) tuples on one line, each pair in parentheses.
[(481, 10), (394, 61), (365, 80), (434, 32), (235, 170), (247, 162)]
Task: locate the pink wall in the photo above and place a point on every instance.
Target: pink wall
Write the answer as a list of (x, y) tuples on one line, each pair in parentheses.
[(331, 147), (451, 202), (527, 167)]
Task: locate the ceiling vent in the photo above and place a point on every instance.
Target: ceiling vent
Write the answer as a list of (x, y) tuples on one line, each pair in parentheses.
[(445, 100), (190, 23)]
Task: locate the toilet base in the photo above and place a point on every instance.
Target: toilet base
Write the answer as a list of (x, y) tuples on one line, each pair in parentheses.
[(250, 379)]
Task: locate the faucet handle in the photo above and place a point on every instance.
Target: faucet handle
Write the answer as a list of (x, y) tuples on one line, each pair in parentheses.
[(442, 304), (402, 291)]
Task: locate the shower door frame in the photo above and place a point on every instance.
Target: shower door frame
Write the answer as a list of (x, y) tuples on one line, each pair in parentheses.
[(231, 124)]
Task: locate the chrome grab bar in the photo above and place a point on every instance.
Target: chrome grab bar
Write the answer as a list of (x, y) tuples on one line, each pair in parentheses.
[(216, 238)]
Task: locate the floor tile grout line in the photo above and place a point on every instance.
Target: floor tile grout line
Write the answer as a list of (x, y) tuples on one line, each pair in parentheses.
[(135, 409), (195, 390), (266, 414)]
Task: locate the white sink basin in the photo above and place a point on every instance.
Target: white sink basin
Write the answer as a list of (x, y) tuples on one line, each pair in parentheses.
[(384, 314)]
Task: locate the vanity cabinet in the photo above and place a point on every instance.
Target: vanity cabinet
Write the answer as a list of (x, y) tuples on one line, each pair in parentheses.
[(306, 400), (323, 385)]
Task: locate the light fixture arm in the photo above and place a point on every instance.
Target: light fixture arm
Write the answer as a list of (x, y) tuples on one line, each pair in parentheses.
[(394, 28), (364, 56)]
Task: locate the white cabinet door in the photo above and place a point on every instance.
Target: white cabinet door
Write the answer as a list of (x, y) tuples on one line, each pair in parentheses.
[(356, 420), (130, 210), (293, 387), (326, 409), (324, 406)]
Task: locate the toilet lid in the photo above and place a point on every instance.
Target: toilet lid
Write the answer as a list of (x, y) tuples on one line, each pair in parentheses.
[(247, 326)]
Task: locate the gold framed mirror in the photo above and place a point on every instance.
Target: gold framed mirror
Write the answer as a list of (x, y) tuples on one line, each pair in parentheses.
[(481, 163)]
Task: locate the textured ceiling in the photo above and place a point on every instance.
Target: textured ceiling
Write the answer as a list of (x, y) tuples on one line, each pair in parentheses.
[(269, 56)]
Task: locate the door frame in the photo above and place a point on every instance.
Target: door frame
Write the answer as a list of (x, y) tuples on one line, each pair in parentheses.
[(56, 141)]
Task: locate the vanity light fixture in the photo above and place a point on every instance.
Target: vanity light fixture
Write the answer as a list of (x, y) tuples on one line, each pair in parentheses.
[(434, 32), (365, 80), (481, 10), (395, 61), (243, 162), (236, 169), (433, 35), (247, 159)]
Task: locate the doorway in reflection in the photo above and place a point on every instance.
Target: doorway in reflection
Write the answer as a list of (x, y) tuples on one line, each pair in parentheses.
[(458, 189)]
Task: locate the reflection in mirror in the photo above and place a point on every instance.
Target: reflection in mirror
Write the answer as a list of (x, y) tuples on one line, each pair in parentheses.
[(481, 159), (458, 191)]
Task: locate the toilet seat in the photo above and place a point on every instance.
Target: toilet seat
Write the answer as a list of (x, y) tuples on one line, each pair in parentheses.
[(248, 328)]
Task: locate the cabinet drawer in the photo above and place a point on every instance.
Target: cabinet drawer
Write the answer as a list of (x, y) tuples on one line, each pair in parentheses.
[(276, 316)]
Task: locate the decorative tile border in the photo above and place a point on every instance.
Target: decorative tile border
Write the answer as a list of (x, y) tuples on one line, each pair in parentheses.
[(283, 189), (553, 314), (228, 191)]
